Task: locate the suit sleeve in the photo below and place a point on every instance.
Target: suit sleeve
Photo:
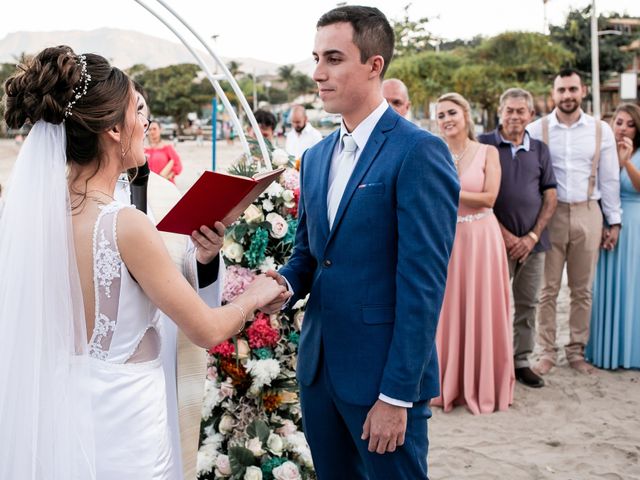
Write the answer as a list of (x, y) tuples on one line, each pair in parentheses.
[(427, 201), (302, 264)]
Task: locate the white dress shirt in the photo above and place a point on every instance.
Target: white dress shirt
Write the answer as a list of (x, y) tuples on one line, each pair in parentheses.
[(572, 148), (297, 143)]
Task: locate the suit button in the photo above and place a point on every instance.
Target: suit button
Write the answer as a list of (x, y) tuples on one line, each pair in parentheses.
[(327, 263)]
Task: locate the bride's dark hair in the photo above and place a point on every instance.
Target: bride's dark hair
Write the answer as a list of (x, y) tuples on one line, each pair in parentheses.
[(43, 88)]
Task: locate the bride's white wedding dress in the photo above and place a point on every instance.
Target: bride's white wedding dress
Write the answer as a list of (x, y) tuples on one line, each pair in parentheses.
[(132, 439)]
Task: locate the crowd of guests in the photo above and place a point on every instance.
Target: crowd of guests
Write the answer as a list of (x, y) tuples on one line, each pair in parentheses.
[(537, 197)]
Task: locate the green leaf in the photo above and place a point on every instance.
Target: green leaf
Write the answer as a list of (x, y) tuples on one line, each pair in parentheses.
[(240, 458), (259, 429)]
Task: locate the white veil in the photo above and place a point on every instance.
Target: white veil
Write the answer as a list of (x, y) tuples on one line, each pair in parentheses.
[(46, 425)]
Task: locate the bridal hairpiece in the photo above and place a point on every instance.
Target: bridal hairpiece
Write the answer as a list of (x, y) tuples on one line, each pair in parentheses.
[(81, 88)]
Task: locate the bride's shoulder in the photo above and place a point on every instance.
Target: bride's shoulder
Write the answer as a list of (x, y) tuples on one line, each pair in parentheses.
[(133, 227)]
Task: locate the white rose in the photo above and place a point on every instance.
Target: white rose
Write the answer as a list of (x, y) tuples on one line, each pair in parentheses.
[(253, 473), (255, 446), (274, 190), (286, 471), (279, 226), (234, 251), (287, 195), (227, 423), (253, 214), (275, 444), (223, 466), (279, 157), (267, 205)]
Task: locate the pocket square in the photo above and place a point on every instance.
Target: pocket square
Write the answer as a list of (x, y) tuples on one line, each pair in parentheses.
[(365, 185)]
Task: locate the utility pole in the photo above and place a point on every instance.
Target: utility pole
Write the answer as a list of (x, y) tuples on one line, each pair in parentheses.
[(595, 62)]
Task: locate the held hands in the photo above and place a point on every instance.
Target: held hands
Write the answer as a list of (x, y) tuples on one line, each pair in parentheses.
[(208, 242), (266, 291), (385, 427), (610, 237), (277, 303), (625, 149), (521, 249)]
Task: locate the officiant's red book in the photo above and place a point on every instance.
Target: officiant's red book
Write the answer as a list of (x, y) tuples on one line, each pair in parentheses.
[(215, 197)]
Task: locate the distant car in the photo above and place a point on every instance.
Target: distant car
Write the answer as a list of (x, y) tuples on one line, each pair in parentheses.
[(330, 120)]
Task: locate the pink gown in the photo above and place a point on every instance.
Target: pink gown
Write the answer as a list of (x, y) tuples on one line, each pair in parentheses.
[(474, 337)]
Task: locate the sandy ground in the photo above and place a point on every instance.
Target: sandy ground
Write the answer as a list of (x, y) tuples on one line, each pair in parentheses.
[(576, 428)]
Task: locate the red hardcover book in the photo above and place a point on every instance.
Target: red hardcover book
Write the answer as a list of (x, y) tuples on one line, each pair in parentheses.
[(215, 197)]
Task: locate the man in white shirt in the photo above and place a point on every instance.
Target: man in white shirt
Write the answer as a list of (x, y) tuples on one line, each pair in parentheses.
[(302, 135), (584, 159)]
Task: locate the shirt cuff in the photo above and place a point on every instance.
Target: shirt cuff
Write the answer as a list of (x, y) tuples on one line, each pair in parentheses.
[(285, 305), (614, 218), (393, 401)]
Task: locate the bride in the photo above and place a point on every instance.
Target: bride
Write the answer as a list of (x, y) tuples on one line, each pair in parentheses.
[(83, 393)]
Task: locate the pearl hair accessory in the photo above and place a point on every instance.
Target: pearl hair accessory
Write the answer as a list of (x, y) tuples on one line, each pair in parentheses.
[(85, 78)]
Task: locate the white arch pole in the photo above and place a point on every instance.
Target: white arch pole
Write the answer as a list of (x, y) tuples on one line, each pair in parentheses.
[(214, 82), (230, 79)]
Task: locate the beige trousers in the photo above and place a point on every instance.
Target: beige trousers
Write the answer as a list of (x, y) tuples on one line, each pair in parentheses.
[(575, 231)]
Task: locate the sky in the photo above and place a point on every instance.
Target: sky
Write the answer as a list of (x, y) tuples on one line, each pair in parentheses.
[(282, 31)]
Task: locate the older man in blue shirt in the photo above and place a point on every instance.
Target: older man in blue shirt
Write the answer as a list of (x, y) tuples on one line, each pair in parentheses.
[(526, 201)]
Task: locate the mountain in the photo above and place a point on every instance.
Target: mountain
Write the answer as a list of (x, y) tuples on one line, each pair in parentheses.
[(123, 48)]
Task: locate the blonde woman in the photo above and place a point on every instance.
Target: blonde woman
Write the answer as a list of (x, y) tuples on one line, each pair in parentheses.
[(474, 337)]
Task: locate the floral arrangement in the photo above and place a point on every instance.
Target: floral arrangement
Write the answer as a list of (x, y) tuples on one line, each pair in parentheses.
[(252, 428)]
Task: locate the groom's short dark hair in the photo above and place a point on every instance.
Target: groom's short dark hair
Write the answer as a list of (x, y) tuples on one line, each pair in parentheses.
[(372, 33)]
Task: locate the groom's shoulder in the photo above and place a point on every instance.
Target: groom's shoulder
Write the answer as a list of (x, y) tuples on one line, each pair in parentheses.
[(412, 136)]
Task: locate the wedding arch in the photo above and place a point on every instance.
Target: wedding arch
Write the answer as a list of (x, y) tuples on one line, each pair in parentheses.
[(173, 21)]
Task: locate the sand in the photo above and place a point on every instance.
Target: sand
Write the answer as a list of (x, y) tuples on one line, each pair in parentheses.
[(577, 427)]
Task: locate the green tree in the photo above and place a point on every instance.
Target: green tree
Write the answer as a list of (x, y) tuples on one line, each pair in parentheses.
[(286, 73), (234, 68), (427, 75), (575, 36), (411, 36), (176, 91)]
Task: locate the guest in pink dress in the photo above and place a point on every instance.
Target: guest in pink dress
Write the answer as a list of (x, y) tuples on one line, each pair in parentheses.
[(474, 336), (163, 158)]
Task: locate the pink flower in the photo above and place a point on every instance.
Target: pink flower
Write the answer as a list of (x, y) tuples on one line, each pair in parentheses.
[(224, 349), (212, 373), (236, 280), (291, 179), (261, 334)]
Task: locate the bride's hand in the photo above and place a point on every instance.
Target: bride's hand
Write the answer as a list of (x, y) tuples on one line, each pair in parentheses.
[(266, 290)]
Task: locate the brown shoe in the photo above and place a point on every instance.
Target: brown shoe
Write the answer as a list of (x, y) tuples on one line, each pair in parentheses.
[(582, 367), (543, 366)]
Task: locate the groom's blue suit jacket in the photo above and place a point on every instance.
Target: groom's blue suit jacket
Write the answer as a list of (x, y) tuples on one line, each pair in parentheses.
[(377, 278)]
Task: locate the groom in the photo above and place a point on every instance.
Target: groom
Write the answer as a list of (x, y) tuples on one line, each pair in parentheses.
[(377, 219)]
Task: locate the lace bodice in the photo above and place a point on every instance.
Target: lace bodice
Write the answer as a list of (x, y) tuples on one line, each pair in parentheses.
[(126, 328)]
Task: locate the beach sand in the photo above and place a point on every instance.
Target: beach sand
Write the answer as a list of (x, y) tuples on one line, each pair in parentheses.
[(578, 427)]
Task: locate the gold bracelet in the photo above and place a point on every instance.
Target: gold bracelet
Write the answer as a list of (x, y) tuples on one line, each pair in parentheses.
[(242, 312), (533, 236)]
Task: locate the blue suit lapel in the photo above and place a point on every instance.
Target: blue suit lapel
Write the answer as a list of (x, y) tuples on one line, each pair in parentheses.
[(369, 154)]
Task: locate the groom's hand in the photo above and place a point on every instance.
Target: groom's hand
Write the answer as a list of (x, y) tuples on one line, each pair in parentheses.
[(385, 427), (276, 305)]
